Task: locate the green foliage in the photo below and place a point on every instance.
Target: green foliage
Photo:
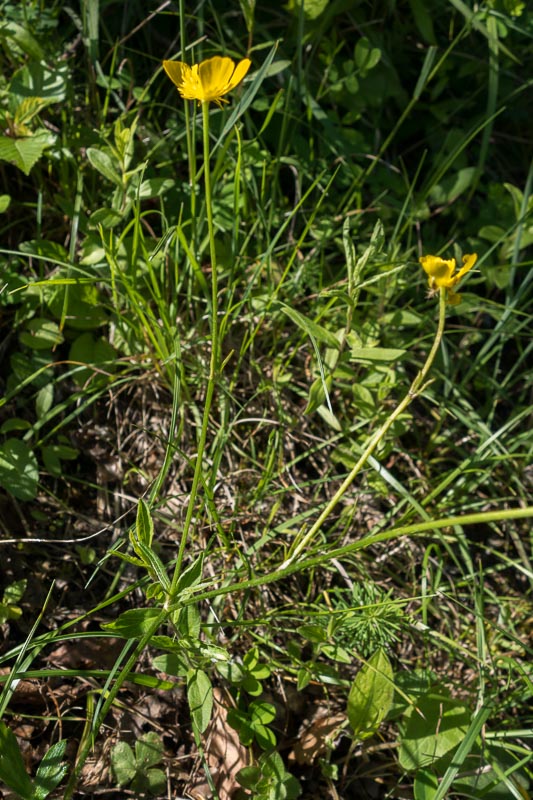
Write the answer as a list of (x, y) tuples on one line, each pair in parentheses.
[(269, 780), (49, 775), (138, 769), (13, 594), (236, 321), (370, 697)]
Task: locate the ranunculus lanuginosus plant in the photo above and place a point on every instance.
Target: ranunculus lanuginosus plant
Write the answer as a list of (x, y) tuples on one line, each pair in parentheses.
[(208, 81), (442, 275)]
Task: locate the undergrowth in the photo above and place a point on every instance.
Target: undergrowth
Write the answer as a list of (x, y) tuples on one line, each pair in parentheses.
[(265, 481)]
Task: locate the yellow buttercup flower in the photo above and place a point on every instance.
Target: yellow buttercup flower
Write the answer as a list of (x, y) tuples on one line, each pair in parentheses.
[(442, 275), (208, 81)]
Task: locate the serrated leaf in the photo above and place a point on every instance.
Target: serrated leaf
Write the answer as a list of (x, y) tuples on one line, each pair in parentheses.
[(371, 695), (12, 770), (24, 152), (134, 623), (51, 771), (200, 697)]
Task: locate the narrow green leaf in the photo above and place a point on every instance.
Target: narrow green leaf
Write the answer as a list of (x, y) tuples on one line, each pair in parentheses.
[(144, 526), (380, 354), (312, 329), (154, 564)]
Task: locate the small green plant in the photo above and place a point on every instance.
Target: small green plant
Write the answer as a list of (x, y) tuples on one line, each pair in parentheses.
[(138, 769), (50, 772), (268, 780), (13, 594)]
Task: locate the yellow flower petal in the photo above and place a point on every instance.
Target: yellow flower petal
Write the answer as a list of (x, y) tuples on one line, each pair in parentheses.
[(468, 263), (208, 81), (177, 71), (439, 271)]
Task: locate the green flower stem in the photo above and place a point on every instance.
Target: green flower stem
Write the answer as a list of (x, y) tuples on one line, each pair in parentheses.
[(428, 527), (88, 741), (214, 360), (375, 439)]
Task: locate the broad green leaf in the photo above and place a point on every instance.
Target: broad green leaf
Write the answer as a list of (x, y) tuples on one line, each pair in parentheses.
[(134, 623), (262, 712), (312, 8), (15, 591), (425, 785), (155, 187), (37, 80), (436, 725), (371, 695), (5, 202), (97, 353), (312, 329), (170, 663), (200, 697), (19, 472), (314, 633), (156, 782), (41, 334), (104, 164), (15, 424), (148, 751), (123, 763), (24, 152), (12, 770), (23, 39), (188, 621), (366, 56), (51, 771), (106, 217), (44, 400)]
